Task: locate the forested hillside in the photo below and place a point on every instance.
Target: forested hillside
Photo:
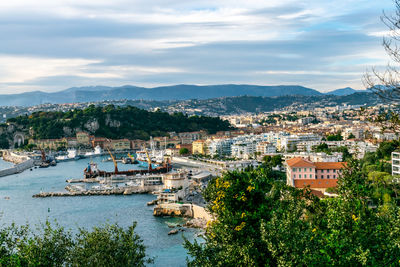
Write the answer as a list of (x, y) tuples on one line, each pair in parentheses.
[(114, 122)]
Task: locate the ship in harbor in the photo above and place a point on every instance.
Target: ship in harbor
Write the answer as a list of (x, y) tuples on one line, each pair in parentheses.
[(92, 171)]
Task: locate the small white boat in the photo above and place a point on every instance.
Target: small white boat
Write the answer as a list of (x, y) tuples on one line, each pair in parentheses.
[(72, 155), (97, 152)]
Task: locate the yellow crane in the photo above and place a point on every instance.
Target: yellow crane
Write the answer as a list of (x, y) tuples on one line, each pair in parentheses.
[(113, 159), (148, 158)]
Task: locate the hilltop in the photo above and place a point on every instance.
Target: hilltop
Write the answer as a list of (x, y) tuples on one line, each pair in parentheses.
[(114, 123), (163, 93)]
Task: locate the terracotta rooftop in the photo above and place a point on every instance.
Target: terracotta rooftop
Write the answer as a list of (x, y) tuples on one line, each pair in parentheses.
[(315, 183), (329, 165), (299, 162)]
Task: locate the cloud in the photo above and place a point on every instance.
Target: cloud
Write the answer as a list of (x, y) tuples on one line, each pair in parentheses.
[(50, 45)]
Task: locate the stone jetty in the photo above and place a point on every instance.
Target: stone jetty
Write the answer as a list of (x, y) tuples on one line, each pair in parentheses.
[(89, 180), (117, 191), (21, 162)]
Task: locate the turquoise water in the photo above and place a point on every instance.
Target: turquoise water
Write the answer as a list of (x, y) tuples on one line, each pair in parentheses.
[(17, 205)]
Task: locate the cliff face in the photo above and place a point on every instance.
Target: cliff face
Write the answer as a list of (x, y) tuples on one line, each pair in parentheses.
[(92, 125)]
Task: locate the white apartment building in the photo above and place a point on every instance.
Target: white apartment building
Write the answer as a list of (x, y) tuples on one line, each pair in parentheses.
[(243, 149), (265, 147), (220, 147), (396, 163)]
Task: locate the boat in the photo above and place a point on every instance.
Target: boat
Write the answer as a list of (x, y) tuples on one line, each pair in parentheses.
[(72, 155), (44, 165), (97, 152), (92, 171)]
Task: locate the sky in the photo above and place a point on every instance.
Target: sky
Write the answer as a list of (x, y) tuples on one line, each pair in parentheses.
[(50, 45)]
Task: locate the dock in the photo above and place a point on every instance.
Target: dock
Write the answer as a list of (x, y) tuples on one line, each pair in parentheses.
[(116, 191), (88, 180)]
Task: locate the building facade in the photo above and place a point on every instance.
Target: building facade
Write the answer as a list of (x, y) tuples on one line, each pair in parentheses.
[(396, 163), (319, 176)]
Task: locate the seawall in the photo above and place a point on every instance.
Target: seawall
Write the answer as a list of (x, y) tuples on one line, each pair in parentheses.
[(22, 163)]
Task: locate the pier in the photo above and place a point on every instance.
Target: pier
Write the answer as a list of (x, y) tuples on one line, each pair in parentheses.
[(116, 191), (88, 180)]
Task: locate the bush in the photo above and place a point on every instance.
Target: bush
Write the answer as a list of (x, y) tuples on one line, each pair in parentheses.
[(108, 245), (261, 222)]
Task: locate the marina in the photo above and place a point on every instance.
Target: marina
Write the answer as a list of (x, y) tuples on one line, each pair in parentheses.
[(17, 205)]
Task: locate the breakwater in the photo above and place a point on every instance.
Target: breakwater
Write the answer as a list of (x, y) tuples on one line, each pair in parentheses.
[(117, 191), (22, 163)]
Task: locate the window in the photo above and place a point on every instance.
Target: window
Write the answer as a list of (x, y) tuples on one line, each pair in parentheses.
[(294, 176), (322, 171), (305, 169), (310, 170), (322, 177), (310, 175), (334, 171), (334, 176), (327, 176), (294, 169), (299, 175), (327, 171)]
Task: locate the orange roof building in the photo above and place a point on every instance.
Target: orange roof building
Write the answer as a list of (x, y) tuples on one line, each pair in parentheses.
[(317, 175)]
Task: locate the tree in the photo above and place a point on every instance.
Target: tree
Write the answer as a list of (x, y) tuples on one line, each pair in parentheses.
[(108, 245), (323, 147), (4, 143), (262, 222), (386, 84), (335, 137), (183, 151), (351, 136)]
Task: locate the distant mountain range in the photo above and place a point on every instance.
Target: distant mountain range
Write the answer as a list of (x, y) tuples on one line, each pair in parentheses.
[(215, 106), (174, 92), (258, 104), (345, 91)]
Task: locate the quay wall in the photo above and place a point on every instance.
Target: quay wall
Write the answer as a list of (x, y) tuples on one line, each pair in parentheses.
[(22, 163)]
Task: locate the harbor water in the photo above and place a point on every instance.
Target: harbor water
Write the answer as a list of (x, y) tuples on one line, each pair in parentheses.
[(17, 205)]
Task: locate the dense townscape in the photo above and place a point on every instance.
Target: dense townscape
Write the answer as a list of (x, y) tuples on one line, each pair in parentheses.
[(198, 174)]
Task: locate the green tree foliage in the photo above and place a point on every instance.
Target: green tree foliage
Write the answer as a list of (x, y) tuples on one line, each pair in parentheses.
[(386, 148), (380, 160), (273, 161), (183, 151), (323, 147), (4, 144), (351, 136), (116, 122), (335, 137), (108, 245), (262, 222)]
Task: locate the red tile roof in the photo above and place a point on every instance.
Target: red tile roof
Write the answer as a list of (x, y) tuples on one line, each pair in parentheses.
[(315, 183), (329, 165), (299, 162)]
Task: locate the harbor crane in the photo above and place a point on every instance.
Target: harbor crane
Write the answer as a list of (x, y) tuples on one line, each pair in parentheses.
[(148, 158), (114, 161)]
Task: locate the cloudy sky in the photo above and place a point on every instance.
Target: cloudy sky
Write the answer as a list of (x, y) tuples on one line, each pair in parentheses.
[(51, 45)]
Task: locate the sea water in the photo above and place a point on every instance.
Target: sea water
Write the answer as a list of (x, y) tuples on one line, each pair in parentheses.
[(17, 205)]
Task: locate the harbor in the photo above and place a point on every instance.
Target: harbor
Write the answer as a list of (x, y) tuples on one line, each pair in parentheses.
[(17, 205)]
